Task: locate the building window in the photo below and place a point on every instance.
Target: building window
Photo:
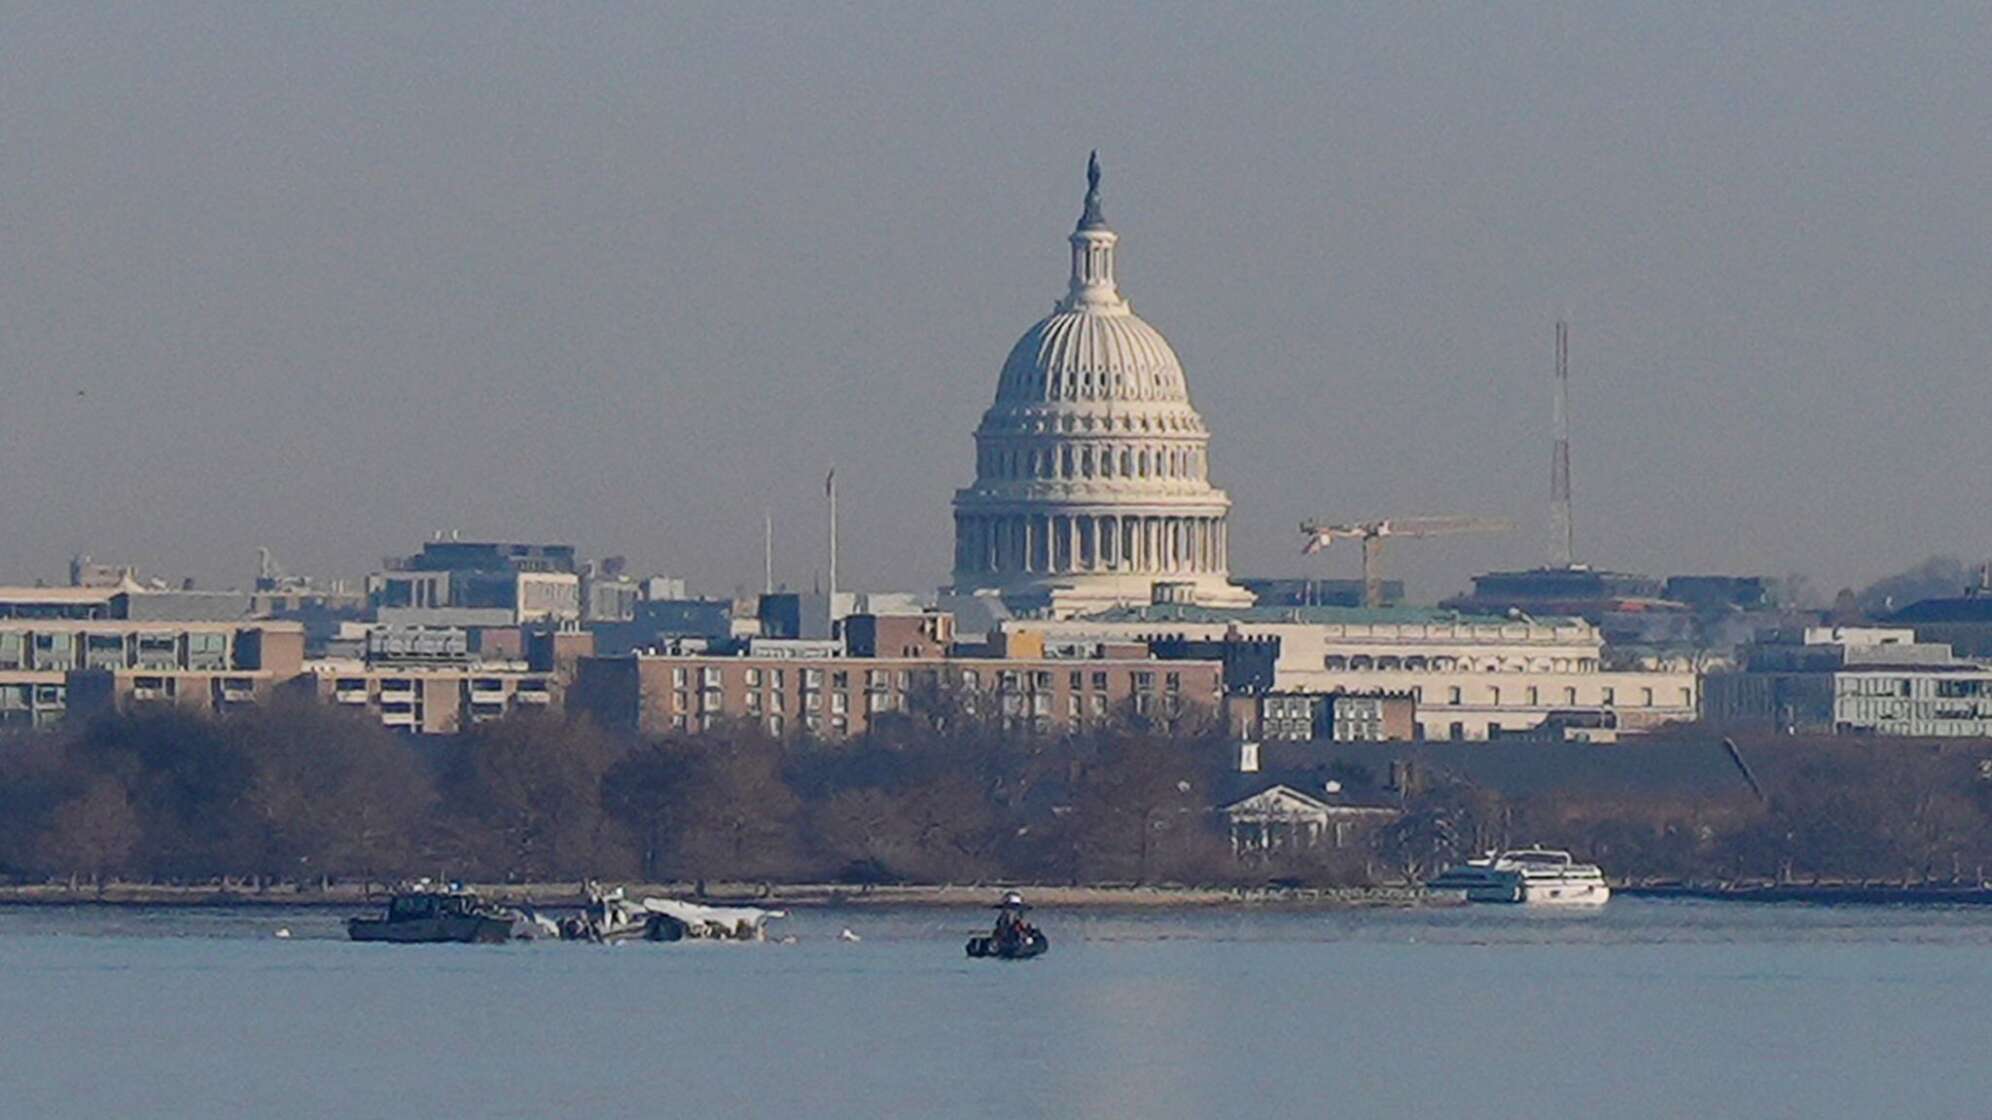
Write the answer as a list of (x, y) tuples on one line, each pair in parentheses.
[(1570, 697), (1100, 681), (1453, 695), (678, 677), (1611, 697), (1144, 681), (1645, 697), (1533, 701), (1078, 680), (753, 678)]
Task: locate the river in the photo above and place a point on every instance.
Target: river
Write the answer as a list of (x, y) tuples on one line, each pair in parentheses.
[(1647, 1009)]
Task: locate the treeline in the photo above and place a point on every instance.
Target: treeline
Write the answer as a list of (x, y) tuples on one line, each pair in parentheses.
[(301, 792), (1823, 810)]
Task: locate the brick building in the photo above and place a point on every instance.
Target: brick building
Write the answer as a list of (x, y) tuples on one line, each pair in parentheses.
[(842, 695)]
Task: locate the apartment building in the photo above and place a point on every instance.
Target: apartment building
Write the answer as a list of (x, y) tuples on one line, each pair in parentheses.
[(51, 666), (430, 699), (839, 696)]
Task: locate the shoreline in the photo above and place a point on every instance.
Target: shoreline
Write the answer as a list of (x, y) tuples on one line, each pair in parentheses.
[(828, 896), (798, 895)]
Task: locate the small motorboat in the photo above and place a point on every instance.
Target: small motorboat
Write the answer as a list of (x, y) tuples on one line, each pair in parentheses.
[(1014, 938), (427, 916)]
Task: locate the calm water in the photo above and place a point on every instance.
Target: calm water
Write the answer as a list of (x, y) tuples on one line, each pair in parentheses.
[(1647, 1010)]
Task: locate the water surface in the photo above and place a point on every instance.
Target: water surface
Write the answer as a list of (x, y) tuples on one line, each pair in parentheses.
[(1648, 1009)]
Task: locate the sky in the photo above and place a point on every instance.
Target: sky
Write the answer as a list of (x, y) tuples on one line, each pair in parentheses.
[(331, 278)]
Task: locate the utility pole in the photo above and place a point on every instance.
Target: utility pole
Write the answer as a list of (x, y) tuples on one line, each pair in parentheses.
[(767, 552), (1562, 540), (830, 492)]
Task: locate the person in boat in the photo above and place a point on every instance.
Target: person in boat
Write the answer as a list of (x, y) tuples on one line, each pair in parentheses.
[(1011, 928)]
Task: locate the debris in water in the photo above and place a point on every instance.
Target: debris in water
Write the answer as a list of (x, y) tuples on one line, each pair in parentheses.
[(847, 935), (283, 933)]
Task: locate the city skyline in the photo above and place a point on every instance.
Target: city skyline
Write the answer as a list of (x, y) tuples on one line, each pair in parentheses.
[(612, 281)]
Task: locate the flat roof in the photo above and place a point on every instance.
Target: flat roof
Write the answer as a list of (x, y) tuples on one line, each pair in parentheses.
[(59, 594), (934, 662), (1313, 615)]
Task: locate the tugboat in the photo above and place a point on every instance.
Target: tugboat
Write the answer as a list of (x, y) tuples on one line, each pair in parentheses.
[(423, 915), (1014, 938)]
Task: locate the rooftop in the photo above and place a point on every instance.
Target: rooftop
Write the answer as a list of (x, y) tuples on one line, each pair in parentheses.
[(1315, 615)]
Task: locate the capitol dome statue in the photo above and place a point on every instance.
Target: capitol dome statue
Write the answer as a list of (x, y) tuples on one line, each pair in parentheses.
[(1091, 486)]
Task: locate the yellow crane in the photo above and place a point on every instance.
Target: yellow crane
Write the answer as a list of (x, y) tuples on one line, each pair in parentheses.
[(1320, 534)]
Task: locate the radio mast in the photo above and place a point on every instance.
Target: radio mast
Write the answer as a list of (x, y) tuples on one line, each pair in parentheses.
[(1562, 540)]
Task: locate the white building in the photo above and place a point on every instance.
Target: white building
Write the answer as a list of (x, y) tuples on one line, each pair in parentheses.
[(1091, 481), (1471, 676)]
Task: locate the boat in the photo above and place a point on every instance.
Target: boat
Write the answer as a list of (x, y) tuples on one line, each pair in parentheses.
[(610, 916), (1013, 939), (423, 915), (1537, 876)]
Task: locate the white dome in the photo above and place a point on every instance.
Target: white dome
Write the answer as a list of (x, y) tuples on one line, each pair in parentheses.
[(1090, 354), (1090, 485)]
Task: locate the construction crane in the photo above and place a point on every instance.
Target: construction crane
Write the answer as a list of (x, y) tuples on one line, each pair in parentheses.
[(1320, 534)]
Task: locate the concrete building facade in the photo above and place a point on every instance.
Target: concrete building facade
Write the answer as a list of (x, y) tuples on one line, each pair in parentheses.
[(1469, 676), (1853, 681)]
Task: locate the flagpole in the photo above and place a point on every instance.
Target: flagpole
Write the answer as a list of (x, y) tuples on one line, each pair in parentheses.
[(830, 491)]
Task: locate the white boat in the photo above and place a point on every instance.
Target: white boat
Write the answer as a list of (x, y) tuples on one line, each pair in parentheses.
[(1539, 876)]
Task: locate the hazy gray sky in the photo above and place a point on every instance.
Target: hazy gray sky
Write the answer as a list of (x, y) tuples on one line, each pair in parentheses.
[(330, 277)]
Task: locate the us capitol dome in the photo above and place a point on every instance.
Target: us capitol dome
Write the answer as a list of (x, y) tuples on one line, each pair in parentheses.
[(1091, 468)]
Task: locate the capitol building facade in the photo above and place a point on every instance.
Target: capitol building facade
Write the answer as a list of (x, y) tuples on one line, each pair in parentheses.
[(1091, 484)]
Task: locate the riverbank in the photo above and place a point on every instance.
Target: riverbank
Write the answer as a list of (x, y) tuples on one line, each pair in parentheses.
[(788, 895), (1830, 894)]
